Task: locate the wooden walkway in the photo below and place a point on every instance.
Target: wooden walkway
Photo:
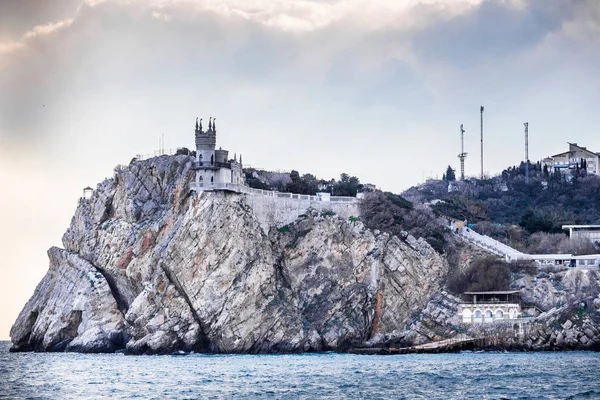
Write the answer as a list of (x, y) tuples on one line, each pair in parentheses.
[(457, 343)]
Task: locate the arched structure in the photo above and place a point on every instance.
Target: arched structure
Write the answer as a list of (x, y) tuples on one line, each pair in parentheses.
[(489, 307), (467, 316), (488, 316)]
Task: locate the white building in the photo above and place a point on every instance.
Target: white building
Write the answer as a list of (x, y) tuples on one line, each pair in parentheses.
[(488, 307), (591, 232), (570, 160), (214, 169)]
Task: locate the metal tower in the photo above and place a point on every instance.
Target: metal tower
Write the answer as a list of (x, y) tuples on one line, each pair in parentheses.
[(462, 154), (481, 114), (526, 151)]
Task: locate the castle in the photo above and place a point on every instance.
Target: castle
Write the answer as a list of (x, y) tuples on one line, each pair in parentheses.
[(214, 169), (216, 172)]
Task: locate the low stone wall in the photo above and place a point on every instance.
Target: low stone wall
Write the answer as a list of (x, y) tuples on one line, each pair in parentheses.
[(280, 211)]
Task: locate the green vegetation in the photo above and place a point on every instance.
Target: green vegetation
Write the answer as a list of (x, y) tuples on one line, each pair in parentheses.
[(284, 229), (485, 274), (543, 205), (307, 184), (449, 175), (394, 214)]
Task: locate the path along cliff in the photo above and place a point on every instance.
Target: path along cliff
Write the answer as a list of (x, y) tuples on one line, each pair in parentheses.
[(150, 267)]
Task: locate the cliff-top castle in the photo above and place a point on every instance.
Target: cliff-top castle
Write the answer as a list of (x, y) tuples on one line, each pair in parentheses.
[(214, 169)]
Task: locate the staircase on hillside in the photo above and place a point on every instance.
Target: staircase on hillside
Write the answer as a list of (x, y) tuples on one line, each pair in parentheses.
[(491, 245)]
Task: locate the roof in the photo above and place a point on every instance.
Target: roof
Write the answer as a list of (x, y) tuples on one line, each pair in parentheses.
[(586, 257), (582, 148), (549, 256), (560, 154), (497, 292), (581, 226)]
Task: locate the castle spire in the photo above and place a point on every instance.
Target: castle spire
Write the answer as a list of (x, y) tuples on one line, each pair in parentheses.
[(210, 124), (200, 125), (235, 157), (240, 158), (196, 124), (214, 125)]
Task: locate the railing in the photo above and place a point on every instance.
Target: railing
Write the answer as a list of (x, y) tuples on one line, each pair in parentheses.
[(503, 250), (233, 187), (212, 165), (157, 153), (490, 244)]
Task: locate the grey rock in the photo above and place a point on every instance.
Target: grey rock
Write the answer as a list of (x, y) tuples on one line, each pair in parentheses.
[(151, 268)]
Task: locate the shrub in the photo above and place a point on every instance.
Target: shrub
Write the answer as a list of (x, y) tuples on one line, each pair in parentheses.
[(485, 274)]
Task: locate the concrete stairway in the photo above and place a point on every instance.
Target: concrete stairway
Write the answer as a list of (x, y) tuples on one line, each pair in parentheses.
[(491, 245)]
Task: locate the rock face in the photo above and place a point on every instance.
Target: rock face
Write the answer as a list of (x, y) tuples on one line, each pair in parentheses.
[(72, 309), (149, 267)]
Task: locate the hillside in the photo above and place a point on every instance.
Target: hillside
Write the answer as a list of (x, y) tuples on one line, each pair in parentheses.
[(545, 204)]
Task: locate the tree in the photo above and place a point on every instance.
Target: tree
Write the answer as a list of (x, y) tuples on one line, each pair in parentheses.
[(347, 186), (486, 274), (450, 175)]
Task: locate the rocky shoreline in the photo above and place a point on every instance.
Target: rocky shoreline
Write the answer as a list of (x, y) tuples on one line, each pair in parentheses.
[(150, 268)]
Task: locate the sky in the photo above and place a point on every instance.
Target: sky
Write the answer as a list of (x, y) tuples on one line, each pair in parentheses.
[(373, 88)]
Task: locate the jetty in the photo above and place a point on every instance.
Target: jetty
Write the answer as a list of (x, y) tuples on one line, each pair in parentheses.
[(457, 343)]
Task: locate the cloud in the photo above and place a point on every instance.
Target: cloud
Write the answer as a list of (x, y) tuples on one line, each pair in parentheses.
[(47, 29), (387, 54), (495, 29), (36, 33)]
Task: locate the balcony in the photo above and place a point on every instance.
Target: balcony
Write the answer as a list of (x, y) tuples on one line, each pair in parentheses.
[(208, 165)]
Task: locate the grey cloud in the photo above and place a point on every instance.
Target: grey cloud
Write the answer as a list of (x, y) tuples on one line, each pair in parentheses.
[(495, 29), (122, 49), (19, 16)]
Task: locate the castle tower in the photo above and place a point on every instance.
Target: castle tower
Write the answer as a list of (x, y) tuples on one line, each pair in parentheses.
[(214, 169), (205, 145)]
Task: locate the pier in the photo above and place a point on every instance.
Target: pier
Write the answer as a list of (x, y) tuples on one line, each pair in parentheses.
[(457, 343)]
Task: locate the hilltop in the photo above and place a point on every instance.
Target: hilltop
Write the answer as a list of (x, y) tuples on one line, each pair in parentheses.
[(553, 199)]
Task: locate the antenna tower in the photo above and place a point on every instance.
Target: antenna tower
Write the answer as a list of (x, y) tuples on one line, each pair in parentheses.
[(526, 151), (481, 116), (462, 154)]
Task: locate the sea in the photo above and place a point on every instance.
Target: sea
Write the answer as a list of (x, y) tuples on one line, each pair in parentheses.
[(466, 375)]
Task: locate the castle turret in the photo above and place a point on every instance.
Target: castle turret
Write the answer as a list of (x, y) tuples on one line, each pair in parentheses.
[(221, 156), (205, 146)]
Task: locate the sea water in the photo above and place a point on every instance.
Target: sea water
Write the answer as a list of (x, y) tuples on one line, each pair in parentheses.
[(564, 375)]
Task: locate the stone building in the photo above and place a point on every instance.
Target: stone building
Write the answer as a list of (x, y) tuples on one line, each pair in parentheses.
[(488, 307), (214, 169)]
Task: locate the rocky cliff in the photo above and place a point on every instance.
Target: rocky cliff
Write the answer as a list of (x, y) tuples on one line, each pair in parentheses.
[(150, 267)]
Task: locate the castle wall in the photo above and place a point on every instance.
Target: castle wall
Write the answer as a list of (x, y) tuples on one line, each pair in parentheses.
[(279, 211), (223, 175)]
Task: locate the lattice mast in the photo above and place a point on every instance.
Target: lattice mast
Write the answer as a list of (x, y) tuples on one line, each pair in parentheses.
[(526, 124), (481, 117), (462, 154)]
